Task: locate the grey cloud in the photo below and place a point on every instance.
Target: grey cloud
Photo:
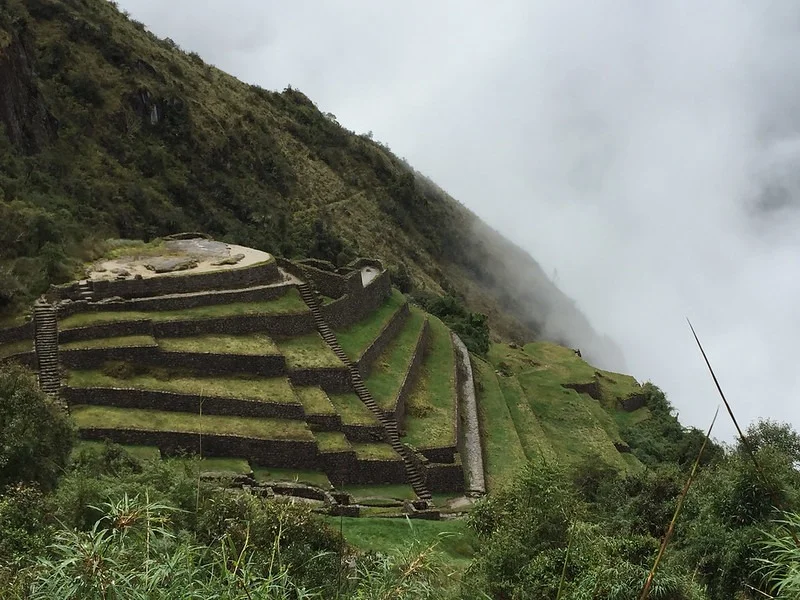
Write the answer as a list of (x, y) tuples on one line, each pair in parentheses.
[(645, 152)]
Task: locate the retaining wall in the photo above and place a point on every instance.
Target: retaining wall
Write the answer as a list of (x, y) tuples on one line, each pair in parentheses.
[(592, 388), (177, 301), (377, 471), (364, 433), (104, 330), (325, 282), (633, 402), (272, 453), (412, 374), (18, 333), (445, 477), (343, 468), (189, 403), (290, 267), (288, 324), (359, 303), (26, 359), (327, 422), (379, 344), (442, 454), (469, 438), (176, 283), (269, 365), (333, 380)]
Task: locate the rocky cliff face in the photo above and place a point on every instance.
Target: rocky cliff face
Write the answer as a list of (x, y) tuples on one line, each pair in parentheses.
[(23, 113)]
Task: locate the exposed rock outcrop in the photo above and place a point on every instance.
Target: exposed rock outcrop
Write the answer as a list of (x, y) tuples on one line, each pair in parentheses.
[(23, 112)]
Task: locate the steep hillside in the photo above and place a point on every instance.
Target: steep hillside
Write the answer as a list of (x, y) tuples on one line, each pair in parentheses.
[(544, 404), (110, 131)]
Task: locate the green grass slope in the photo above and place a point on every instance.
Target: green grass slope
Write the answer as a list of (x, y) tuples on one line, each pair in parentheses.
[(527, 413)]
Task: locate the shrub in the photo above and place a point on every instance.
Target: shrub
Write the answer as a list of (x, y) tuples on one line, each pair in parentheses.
[(36, 433)]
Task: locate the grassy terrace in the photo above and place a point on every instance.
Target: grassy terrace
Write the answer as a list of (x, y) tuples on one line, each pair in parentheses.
[(357, 338), (314, 400), (290, 302), (317, 478), (502, 449), (392, 365), (307, 351), (16, 348), (534, 440), (401, 491), (253, 344), (352, 410), (274, 389), (553, 421), (124, 341), (231, 466), (138, 452), (375, 451), (431, 405), (107, 417), (558, 364), (332, 441)]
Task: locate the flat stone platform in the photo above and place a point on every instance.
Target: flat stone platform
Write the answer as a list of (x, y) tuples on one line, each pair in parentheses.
[(175, 256)]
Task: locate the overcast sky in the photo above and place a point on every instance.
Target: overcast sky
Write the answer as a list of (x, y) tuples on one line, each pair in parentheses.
[(644, 152)]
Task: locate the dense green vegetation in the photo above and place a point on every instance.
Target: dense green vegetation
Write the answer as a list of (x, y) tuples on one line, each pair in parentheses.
[(156, 530)]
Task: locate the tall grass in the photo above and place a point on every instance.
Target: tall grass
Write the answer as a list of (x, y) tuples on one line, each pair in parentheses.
[(671, 529), (134, 553)]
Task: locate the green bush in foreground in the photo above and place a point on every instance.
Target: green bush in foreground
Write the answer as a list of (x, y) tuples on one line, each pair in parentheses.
[(36, 434)]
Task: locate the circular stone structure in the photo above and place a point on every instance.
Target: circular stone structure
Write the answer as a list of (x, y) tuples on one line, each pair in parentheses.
[(198, 255)]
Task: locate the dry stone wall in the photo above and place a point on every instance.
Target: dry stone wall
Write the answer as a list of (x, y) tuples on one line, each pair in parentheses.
[(26, 359), (293, 454), (356, 305), (385, 337), (469, 439), (332, 380), (177, 301), (445, 477), (105, 330), (364, 433), (442, 454), (252, 275), (289, 324), (18, 333), (412, 374), (326, 282), (189, 403)]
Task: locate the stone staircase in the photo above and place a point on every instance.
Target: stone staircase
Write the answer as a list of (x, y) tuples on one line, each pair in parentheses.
[(85, 290), (389, 424), (46, 345)]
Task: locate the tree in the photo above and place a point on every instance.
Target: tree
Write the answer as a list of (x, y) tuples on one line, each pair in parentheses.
[(36, 434)]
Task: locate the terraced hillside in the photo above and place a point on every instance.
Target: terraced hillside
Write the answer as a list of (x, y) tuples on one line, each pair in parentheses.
[(543, 402), (304, 372)]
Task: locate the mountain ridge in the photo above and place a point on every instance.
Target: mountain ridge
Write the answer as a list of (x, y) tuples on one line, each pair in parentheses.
[(113, 132)]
